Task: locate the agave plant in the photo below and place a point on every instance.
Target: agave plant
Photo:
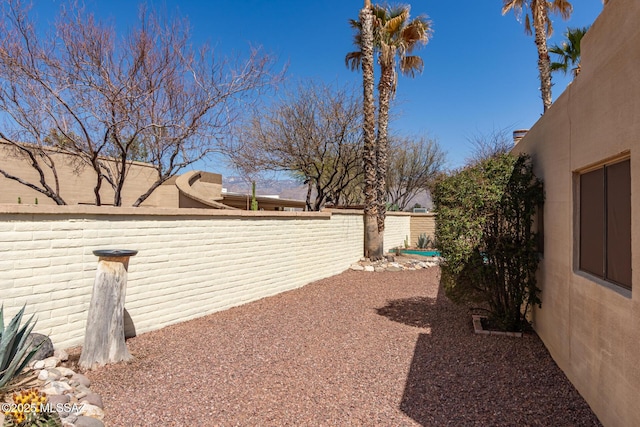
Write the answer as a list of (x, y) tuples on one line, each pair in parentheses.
[(424, 241), (14, 350)]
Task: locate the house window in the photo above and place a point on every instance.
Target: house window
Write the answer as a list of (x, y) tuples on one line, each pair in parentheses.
[(605, 223)]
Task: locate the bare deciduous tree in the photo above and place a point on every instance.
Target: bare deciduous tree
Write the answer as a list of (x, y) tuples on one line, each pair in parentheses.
[(490, 144), (314, 132), (414, 163), (109, 99)]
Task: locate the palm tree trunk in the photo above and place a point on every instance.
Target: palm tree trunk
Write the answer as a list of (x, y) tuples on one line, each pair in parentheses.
[(540, 17), (385, 88), (372, 238)]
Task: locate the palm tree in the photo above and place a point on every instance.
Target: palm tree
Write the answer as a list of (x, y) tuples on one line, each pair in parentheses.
[(542, 28), (373, 239), (394, 36), (568, 52), (397, 36)]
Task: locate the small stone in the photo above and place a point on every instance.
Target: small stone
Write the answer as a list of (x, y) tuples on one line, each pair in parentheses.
[(51, 362), (54, 374), (356, 267), (91, 411), (71, 418), (379, 269), (81, 394), (369, 268), (57, 387), (56, 399), (390, 258), (93, 399), (83, 389), (61, 355), (84, 421), (39, 364), (43, 375), (394, 268), (81, 379), (65, 372)]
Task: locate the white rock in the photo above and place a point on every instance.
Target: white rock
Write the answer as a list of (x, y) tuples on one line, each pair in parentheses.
[(65, 372), (57, 387), (91, 411), (51, 362), (369, 268), (356, 267), (43, 375), (61, 355), (39, 364)]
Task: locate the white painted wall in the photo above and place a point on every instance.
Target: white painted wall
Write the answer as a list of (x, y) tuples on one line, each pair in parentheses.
[(189, 263), (397, 227)]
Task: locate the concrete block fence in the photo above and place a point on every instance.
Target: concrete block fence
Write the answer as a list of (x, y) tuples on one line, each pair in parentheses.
[(190, 262)]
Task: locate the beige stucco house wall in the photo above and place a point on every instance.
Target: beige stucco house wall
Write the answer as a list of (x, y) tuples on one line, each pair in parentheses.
[(591, 327), (190, 189)]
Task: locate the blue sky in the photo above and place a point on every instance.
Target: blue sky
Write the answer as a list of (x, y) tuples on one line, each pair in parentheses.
[(480, 67)]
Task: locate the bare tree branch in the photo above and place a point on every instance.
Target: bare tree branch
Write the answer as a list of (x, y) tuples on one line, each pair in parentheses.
[(314, 133), (112, 99)]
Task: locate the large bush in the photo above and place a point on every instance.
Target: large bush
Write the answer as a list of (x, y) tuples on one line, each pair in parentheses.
[(484, 231)]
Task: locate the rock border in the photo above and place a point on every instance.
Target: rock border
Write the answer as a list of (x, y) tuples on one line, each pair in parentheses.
[(393, 263), (478, 329), (68, 391)]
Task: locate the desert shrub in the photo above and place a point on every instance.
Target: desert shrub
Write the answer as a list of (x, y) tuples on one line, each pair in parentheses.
[(484, 231)]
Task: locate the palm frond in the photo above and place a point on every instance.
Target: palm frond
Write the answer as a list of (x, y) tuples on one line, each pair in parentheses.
[(353, 60), (418, 30), (410, 65), (563, 7), (394, 25)]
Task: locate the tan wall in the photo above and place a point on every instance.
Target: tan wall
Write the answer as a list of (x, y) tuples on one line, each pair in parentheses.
[(189, 263), (77, 182), (592, 329), (422, 223)]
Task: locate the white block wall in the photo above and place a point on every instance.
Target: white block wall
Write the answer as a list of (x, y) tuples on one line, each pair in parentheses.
[(397, 227), (188, 265)]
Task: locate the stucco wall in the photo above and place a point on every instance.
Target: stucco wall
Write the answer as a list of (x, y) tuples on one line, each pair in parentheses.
[(77, 182), (422, 223), (592, 329), (189, 264), (397, 227)]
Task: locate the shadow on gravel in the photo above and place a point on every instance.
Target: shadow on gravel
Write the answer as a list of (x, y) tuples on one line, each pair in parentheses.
[(410, 311), (458, 378)]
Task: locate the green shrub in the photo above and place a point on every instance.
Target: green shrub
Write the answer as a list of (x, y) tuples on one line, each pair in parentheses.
[(14, 350), (484, 231)]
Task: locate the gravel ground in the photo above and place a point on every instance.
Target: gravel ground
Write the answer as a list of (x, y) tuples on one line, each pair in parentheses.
[(358, 348)]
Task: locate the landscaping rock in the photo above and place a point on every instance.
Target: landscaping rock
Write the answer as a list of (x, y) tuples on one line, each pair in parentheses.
[(83, 421), (46, 349), (93, 399)]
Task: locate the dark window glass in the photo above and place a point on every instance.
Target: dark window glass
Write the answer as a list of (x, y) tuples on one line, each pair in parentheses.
[(605, 223)]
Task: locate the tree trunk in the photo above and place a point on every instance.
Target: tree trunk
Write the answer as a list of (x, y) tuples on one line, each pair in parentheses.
[(540, 18), (104, 337), (372, 237), (385, 88)]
